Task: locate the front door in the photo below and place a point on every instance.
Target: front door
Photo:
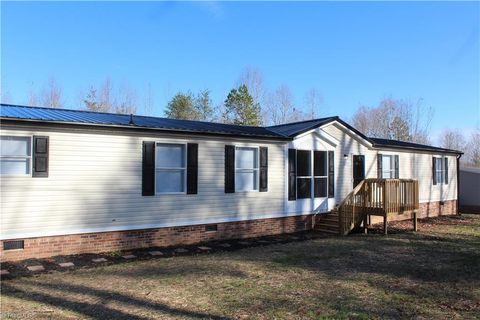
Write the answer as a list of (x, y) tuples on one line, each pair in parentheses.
[(358, 169)]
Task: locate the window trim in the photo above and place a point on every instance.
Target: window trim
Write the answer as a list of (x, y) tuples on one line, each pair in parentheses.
[(440, 159), (30, 157), (257, 148), (392, 166), (184, 145)]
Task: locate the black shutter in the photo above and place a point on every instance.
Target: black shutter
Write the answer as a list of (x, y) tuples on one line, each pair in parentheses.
[(434, 166), (192, 168), (379, 166), (229, 169), (263, 169), (40, 157), (331, 174), (446, 170), (396, 160), (292, 174), (148, 169)]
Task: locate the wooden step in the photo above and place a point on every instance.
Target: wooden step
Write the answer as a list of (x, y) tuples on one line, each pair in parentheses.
[(329, 219), (329, 231), (327, 223)]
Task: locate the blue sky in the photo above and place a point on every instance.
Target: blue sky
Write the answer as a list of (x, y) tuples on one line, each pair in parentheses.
[(353, 53)]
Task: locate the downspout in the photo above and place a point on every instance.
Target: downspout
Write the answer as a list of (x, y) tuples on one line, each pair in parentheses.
[(458, 183)]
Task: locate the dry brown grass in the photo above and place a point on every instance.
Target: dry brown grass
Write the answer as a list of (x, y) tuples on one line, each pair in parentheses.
[(430, 274)]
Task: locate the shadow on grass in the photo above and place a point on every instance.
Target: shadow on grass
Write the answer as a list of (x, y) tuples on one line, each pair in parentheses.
[(97, 310)]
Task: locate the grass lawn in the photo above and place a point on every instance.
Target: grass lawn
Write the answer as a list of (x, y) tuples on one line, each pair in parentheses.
[(434, 273)]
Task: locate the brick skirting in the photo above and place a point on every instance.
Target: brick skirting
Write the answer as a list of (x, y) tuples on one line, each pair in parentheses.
[(44, 247)]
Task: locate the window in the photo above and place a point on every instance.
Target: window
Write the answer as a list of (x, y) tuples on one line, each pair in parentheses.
[(388, 168), (440, 170), (170, 168), (320, 174), (15, 156), (246, 169), (304, 174)]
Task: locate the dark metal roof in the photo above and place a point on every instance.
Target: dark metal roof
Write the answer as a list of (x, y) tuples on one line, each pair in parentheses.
[(387, 143), (283, 132), (295, 128), (67, 116)]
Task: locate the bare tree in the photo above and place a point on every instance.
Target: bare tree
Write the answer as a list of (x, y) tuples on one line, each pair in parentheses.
[(313, 100), (253, 79), (452, 139), (91, 101), (472, 149), (395, 119), (148, 100), (32, 99), (52, 94), (106, 98), (127, 101), (279, 107)]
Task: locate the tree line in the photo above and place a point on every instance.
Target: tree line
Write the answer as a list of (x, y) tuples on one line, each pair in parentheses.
[(251, 102)]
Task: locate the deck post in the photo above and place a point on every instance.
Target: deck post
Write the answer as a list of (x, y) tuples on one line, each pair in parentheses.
[(385, 224), (415, 226), (365, 224)]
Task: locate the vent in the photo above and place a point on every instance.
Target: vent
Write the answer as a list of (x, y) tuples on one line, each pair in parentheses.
[(13, 245), (211, 228)]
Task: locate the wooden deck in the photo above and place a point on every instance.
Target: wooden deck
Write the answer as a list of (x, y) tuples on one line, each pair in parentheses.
[(378, 197)]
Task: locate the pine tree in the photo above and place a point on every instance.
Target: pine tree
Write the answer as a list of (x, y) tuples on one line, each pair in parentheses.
[(241, 109), (181, 107)]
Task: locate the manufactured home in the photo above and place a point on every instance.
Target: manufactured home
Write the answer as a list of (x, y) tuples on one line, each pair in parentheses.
[(85, 182)]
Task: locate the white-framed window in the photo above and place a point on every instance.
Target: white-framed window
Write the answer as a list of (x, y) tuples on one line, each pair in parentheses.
[(170, 168), (246, 169), (388, 167), (15, 155), (440, 172)]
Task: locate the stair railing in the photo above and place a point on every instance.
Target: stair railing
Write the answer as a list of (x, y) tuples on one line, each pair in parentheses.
[(350, 210), (378, 197)]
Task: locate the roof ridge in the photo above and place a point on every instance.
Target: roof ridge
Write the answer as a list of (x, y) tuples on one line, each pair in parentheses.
[(303, 121)]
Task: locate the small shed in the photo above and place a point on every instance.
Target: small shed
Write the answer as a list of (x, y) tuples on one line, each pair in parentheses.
[(469, 190)]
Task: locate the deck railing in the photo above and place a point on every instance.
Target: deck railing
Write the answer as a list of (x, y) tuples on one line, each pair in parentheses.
[(379, 197)]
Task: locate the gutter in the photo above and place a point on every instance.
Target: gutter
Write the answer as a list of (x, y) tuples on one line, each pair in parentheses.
[(458, 183)]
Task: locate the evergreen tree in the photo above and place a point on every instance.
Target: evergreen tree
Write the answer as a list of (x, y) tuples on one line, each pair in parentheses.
[(181, 107), (241, 109), (203, 106)]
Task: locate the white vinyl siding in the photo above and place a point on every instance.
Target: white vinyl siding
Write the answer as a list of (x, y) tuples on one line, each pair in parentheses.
[(15, 155), (412, 165), (95, 184)]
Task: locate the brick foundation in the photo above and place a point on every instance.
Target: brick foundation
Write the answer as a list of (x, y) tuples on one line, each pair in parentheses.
[(44, 247)]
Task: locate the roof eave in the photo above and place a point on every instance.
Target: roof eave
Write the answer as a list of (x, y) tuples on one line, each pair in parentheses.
[(140, 128), (433, 150)]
